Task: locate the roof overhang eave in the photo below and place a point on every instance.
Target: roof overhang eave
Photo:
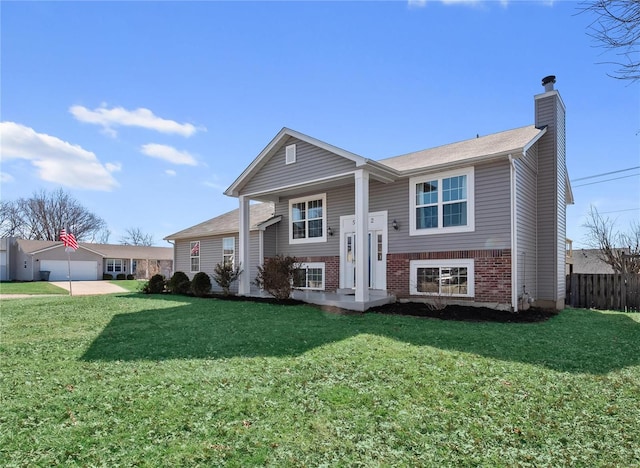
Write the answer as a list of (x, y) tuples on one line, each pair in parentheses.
[(515, 153)]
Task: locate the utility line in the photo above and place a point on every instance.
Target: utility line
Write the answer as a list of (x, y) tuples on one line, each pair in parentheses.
[(605, 173), (620, 211), (606, 180)]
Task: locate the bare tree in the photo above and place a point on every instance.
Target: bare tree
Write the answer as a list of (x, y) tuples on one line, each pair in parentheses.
[(617, 27), (42, 216), (621, 250), (135, 236)]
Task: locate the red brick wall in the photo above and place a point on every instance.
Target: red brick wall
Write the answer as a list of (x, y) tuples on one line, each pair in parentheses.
[(331, 270), (492, 272)]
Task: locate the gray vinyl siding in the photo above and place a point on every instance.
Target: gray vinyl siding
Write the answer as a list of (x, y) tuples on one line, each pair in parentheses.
[(526, 206), (311, 163), (492, 217), (270, 244), (211, 254), (551, 199)]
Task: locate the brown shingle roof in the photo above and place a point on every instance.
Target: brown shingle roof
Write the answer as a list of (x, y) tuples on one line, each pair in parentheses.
[(226, 223), (495, 144)]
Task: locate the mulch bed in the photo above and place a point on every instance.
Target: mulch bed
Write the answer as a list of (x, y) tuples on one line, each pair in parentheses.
[(418, 309)]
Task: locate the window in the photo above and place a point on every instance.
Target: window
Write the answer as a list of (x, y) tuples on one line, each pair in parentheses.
[(309, 276), (308, 218), (115, 265), (442, 203), (442, 277), (229, 251), (290, 154), (194, 252)]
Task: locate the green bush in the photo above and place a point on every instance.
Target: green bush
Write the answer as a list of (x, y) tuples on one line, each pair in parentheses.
[(276, 276), (130, 277), (155, 285), (179, 283), (201, 284), (107, 276), (121, 276), (224, 274)]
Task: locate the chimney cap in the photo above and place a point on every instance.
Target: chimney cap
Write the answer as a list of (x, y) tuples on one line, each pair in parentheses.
[(548, 80)]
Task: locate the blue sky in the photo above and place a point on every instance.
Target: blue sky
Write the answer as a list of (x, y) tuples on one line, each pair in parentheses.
[(146, 112)]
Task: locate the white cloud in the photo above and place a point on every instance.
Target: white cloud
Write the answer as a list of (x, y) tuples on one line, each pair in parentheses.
[(168, 153), (170, 172), (5, 178), (113, 167), (57, 161), (119, 116)]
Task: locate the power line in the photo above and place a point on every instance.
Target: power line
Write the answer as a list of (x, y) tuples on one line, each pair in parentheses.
[(606, 180), (605, 173), (620, 211)]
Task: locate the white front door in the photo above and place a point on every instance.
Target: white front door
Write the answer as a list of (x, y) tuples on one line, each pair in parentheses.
[(376, 251)]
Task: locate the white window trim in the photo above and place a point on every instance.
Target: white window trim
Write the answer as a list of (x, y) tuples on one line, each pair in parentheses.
[(111, 262), (413, 181), (290, 154), (233, 254), (191, 257), (306, 266), (308, 240), (467, 263)]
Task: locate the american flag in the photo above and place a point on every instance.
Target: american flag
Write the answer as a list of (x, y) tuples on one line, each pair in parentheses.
[(68, 239)]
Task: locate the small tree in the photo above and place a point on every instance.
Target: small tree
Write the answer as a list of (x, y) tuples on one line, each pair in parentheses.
[(225, 274), (276, 276), (179, 283), (201, 284), (618, 249)]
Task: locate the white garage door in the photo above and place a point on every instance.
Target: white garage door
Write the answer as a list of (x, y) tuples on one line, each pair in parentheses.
[(80, 270)]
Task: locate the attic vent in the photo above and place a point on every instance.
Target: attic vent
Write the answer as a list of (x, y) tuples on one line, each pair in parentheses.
[(290, 154)]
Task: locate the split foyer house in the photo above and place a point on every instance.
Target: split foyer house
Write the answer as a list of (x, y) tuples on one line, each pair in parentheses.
[(480, 221)]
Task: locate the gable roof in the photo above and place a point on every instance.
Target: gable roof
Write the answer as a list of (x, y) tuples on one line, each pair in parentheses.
[(31, 246), (481, 148), (227, 223)]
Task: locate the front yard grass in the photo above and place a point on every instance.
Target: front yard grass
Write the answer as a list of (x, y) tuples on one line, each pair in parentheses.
[(179, 381), (30, 287)]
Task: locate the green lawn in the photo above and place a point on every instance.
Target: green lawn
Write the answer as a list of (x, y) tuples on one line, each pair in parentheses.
[(133, 380), (31, 287), (129, 285)]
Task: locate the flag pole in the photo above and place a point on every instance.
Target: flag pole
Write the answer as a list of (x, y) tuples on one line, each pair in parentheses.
[(69, 268)]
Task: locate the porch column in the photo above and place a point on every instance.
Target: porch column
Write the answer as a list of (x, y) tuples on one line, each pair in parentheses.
[(361, 243), (244, 283)]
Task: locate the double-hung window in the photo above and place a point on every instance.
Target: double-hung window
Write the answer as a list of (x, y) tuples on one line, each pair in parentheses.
[(309, 276), (308, 218), (115, 265), (194, 253), (442, 203), (442, 277), (229, 251)]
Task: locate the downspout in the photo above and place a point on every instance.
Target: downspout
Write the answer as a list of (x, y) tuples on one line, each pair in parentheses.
[(514, 237)]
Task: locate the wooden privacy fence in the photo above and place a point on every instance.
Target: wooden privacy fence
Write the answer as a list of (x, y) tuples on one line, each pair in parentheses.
[(604, 291)]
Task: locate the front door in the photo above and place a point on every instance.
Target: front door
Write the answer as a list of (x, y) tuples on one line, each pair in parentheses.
[(376, 251)]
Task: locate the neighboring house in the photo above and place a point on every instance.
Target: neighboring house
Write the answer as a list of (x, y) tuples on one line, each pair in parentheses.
[(589, 261), (480, 221), (25, 260)]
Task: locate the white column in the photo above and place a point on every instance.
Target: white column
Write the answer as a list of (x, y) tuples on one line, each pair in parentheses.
[(362, 243), (244, 282)]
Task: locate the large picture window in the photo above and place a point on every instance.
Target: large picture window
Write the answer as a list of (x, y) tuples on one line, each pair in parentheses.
[(194, 252), (307, 219), (442, 202), (442, 277), (115, 265), (229, 251), (309, 276)]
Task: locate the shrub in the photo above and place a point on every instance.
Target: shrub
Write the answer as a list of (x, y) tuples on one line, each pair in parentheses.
[(155, 285), (121, 276), (225, 274), (179, 283), (276, 276), (130, 277), (201, 284), (107, 276)]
